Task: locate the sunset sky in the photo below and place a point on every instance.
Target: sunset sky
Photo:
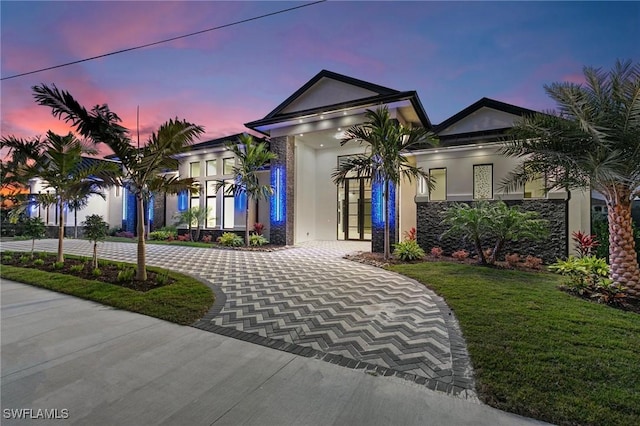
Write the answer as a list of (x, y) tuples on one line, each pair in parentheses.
[(451, 53)]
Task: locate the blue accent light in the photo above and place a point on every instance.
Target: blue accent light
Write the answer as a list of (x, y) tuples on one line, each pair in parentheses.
[(239, 202), (377, 204), (279, 197), (150, 211), (129, 210), (183, 200), (33, 206)]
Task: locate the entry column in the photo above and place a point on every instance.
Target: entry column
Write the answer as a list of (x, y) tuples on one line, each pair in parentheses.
[(282, 181)]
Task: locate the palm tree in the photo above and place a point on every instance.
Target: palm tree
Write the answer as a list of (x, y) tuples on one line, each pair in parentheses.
[(384, 160), (251, 158), (592, 141), (193, 216), (57, 161), (144, 168)]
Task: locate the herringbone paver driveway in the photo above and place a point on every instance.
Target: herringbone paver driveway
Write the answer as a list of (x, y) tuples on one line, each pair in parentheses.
[(310, 296)]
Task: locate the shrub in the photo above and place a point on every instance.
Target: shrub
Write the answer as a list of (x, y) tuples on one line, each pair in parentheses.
[(160, 235), (258, 228), (257, 240), (24, 259), (460, 254), (163, 277), (77, 268), (58, 265), (206, 239), (95, 229), (436, 252), (96, 272), (410, 235), (588, 276), (114, 231), (230, 239), (126, 274), (124, 234), (7, 258), (585, 244), (512, 259), (184, 237), (533, 262), (38, 262), (408, 250)]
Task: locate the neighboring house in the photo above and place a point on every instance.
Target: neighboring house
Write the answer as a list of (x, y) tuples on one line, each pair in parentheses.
[(110, 208), (305, 133)]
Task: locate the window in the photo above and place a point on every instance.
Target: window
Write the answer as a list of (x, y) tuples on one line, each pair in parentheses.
[(211, 220), (439, 191), (482, 181), (534, 188), (194, 169), (212, 167), (227, 166), (228, 208)]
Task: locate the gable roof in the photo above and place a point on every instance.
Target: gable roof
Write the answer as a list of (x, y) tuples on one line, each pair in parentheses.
[(375, 95), (484, 102), (380, 90), (483, 135)]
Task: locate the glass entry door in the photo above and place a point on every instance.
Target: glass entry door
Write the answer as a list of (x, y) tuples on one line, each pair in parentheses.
[(356, 209)]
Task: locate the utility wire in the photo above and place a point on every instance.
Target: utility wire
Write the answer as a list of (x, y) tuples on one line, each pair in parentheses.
[(255, 18)]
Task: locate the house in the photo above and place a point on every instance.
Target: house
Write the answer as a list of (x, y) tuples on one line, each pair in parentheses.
[(305, 132)]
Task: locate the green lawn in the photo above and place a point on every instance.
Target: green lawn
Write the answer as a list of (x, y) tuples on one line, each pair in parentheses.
[(161, 242), (184, 301), (537, 351)]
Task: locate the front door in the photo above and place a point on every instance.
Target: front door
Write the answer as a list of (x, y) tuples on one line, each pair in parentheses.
[(356, 210)]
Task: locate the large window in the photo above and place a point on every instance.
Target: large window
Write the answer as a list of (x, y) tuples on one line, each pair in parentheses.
[(212, 167), (195, 202), (439, 191), (211, 220), (535, 188), (228, 207), (194, 169), (227, 166), (482, 181)]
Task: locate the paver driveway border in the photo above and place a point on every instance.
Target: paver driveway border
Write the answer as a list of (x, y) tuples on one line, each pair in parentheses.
[(309, 301)]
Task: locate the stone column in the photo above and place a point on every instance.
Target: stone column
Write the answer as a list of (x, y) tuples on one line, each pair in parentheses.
[(282, 213)]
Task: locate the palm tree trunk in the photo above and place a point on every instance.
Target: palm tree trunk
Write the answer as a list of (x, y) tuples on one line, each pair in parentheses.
[(75, 224), (622, 251), (95, 255), (481, 259), (496, 251), (60, 232), (141, 273), (387, 245), (246, 221)]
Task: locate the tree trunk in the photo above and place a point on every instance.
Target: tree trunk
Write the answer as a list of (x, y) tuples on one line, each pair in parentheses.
[(387, 245), (141, 273), (496, 251), (60, 232), (33, 246), (623, 259), (75, 224), (481, 259), (95, 255), (246, 221)]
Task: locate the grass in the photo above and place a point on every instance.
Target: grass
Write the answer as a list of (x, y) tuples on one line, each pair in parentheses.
[(184, 301), (537, 351), (161, 242)]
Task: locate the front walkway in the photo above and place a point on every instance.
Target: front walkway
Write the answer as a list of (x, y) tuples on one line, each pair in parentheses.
[(310, 296)]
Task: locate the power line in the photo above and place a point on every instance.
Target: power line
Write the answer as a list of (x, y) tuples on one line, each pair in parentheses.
[(165, 40)]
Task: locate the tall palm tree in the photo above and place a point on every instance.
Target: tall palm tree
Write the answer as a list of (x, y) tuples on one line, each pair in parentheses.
[(384, 160), (144, 169), (252, 157), (592, 141), (57, 161)]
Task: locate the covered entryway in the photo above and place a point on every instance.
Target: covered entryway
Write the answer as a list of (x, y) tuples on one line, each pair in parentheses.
[(354, 210)]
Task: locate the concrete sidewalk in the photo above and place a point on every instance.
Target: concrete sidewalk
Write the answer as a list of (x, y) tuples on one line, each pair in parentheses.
[(107, 366)]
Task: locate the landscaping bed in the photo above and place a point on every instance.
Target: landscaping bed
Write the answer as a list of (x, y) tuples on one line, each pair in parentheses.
[(166, 294)]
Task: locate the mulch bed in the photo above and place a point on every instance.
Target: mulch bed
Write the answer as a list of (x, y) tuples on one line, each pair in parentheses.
[(108, 271)]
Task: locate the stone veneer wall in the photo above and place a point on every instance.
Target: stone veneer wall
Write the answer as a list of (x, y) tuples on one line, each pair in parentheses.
[(430, 228), (282, 233)]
